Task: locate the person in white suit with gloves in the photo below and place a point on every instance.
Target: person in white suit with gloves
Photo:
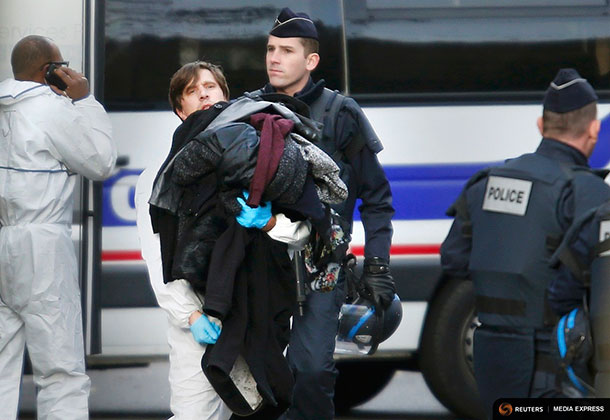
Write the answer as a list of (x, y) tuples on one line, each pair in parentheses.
[(196, 86)]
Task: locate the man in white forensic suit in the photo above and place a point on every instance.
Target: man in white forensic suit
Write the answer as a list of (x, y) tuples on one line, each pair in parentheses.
[(51, 130)]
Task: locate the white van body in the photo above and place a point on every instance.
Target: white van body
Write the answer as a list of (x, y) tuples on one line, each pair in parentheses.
[(434, 136)]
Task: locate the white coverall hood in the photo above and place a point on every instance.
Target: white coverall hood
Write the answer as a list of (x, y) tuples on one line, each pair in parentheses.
[(12, 91)]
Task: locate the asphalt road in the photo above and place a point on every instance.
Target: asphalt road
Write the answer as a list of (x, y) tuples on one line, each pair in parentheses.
[(143, 393)]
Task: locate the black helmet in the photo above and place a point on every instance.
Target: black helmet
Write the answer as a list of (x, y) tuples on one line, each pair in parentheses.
[(362, 327)]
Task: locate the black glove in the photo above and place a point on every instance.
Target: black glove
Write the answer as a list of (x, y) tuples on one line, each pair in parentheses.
[(377, 282)]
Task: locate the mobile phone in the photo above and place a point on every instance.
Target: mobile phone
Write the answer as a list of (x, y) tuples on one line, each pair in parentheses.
[(54, 79)]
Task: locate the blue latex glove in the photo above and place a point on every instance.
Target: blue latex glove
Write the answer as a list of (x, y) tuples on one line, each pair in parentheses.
[(205, 331), (253, 217)]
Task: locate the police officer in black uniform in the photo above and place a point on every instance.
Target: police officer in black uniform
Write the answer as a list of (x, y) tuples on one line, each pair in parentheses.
[(292, 54), (585, 272), (508, 220)]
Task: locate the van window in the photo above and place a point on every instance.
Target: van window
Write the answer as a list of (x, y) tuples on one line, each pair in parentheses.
[(445, 49), (147, 41)]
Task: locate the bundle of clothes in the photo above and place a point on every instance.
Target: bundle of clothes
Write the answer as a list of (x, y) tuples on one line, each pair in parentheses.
[(246, 278)]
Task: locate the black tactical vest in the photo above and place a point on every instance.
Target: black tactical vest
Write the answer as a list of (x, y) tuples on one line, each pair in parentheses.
[(515, 228)]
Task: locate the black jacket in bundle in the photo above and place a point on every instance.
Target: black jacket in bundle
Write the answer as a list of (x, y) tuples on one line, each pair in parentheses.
[(253, 288), (201, 182), (164, 222)]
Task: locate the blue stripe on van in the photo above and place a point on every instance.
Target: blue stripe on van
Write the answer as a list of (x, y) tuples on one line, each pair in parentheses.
[(423, 192), (601, 154), (419, 191)]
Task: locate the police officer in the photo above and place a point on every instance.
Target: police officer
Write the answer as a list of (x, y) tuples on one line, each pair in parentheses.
[(585, 255), (508, 220), (292, 54)]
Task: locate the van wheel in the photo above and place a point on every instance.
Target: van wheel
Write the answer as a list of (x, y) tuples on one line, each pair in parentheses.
[(358, 382), (447, 349)]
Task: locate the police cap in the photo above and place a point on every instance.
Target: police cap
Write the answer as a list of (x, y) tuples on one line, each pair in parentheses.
[(293, 25), (568, 92)]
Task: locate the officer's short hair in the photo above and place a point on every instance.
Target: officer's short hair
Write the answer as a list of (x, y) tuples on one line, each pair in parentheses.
[(574, 123), (29, 54), (185, 76), (311, 45)]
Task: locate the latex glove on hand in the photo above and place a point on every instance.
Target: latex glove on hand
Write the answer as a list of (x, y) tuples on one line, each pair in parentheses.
[(205, 331), (377, 282), (253, 217)]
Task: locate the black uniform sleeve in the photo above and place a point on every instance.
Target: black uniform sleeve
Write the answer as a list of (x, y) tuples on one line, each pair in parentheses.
[(455, 251), (566, 290), (373, 188), (376, 209), (585, 192)]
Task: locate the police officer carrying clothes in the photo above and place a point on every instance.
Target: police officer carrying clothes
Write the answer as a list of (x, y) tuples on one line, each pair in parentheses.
[(292, 54), (508, 220)]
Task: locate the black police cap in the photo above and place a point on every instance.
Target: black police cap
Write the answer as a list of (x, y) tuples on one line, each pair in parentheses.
[(568, 92), (293, 25)]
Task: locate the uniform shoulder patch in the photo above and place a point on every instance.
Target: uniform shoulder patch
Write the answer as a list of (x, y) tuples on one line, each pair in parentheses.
[(507, 195)]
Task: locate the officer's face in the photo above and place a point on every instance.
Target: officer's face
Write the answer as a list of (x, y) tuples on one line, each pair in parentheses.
[(203, 92), (288, 67)]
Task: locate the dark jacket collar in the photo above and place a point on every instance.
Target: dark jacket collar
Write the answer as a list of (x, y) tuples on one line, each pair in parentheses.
[(562, 152), (310, 92), (193, 125)]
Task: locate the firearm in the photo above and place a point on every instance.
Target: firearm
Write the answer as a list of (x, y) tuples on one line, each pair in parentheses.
[(300, 276)]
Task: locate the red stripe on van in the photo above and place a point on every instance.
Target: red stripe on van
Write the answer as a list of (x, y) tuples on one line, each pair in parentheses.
[(121, 255), (427, 249)]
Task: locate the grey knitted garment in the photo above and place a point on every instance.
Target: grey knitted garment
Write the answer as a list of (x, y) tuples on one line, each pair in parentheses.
[(287, 185), (331, 189)]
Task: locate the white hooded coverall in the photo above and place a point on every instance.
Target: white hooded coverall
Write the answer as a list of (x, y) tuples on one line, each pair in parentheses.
[(45, 139), (192, 395)]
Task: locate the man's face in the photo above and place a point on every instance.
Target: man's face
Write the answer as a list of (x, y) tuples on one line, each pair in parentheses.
[(203, 92), (287, 66)]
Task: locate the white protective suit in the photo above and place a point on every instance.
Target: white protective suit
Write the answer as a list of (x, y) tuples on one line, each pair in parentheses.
[(192, 395), (46, 139)]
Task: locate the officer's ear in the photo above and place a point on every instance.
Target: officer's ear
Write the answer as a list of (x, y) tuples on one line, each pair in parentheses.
[(313, 60), (594, 128), (540, 125)]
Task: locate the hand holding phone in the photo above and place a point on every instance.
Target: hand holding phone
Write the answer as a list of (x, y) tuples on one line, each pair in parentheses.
[(64, 80), (53, 79)]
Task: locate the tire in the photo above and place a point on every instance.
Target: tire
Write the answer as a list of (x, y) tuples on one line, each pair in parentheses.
[(370, 376), (446, 349)]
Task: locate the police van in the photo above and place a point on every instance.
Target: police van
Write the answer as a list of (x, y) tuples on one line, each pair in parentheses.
[(450, 87)]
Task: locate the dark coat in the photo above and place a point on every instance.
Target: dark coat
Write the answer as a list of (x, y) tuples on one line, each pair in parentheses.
[(164, 222), (254, 289)]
